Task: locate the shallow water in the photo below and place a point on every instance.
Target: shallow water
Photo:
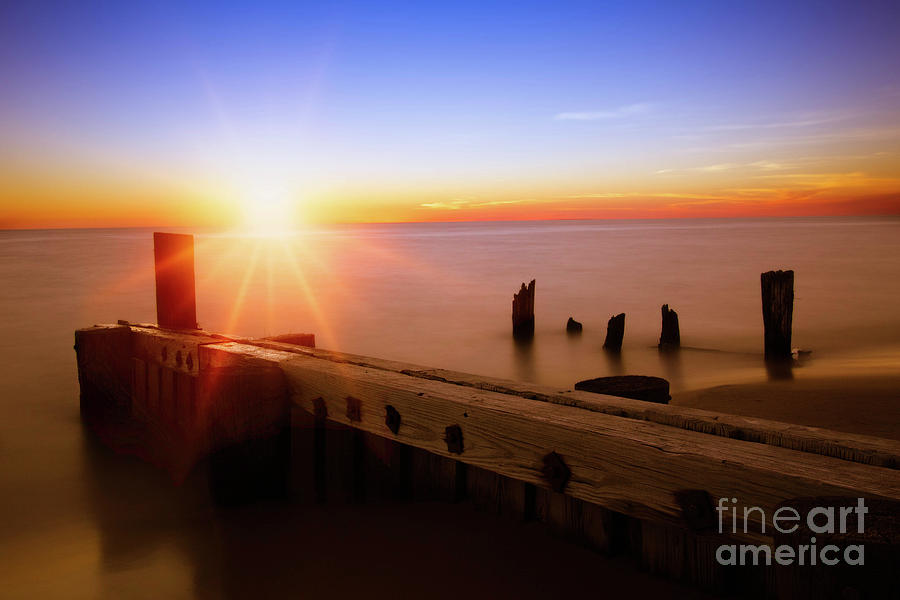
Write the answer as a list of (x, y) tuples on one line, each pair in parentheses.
[(78, 522)]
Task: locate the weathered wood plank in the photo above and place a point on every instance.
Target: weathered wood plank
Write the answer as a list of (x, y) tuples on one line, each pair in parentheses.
[(171, 349), (176, 306), (629, 466), (838, 444), (104, 371), (139, 389), (777, 289)]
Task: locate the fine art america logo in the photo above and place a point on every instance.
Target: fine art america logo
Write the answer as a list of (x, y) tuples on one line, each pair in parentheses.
[(822, 520)]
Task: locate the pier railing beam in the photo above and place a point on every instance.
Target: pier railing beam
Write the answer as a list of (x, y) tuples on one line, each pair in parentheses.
[(778, 308), (176, 305)]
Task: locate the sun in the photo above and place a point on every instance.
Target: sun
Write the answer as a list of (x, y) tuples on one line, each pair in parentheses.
[(268, 211)]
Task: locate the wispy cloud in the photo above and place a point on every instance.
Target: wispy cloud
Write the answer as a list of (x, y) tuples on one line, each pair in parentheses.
[(764, 165), (470, 202), (621, 112), (783, 124)]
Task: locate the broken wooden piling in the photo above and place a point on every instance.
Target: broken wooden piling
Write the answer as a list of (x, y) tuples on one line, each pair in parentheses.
[(176, 305), (615, 332), (777, 306), (523, 312), (573, 327), (669, 337)]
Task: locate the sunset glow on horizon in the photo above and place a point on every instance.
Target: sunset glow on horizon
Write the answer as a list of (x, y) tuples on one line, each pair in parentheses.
[(276, 117)]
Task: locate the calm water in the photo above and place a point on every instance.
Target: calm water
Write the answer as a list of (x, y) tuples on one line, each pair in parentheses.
[(77, 522)]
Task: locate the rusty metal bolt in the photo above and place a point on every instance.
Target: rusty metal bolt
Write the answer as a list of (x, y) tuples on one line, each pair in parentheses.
[(454, 437), (320, 411), (697, 509), (556, 471), (392, 419), (354, 410)]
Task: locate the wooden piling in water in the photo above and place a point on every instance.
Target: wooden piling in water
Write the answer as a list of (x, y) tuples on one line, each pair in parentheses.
[(777, 306), (176, 305), (615, 332), (670, 336), (523, 312)]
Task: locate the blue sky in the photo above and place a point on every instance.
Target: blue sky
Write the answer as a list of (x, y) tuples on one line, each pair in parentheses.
[(465, 95)]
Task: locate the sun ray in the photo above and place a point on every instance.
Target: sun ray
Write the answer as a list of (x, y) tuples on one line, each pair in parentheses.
[(318, 315), (234, 317)]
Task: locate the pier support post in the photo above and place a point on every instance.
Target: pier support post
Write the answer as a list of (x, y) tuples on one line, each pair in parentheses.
[(615, 333), (670, 337), (176, 305), (523, 312), (778, 307)]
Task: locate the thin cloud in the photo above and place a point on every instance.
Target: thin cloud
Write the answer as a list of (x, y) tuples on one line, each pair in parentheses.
[(622, 112), (764, 165)]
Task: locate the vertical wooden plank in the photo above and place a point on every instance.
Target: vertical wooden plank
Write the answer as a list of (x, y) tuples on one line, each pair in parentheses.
[(778, 308), (579, 521), (340, 462), (103, 358), (303, 456), (436, 477), (495, 493), (184, 399), (167, 395), (153, 391), (176, 306), (139, 389)]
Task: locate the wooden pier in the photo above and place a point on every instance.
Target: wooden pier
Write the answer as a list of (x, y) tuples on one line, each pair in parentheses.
[(269, 417)]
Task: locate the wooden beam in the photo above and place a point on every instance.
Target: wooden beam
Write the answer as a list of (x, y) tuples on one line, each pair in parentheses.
[(176, 306), (838, 444), (633, 467)]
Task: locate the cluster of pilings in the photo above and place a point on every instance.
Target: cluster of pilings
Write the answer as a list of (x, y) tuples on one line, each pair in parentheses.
[(777, 306)]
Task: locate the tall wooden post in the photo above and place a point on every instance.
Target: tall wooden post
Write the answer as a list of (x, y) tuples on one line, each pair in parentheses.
[(615, 332), (176, 305), (670, 337), (523, 312), (778, 310)]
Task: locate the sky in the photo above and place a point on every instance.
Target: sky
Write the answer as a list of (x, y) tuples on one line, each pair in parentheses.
[(218, 114)]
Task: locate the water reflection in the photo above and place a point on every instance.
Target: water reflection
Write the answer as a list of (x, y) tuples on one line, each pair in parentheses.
[(670, 361), (615, 363), (523, 353), (779, 369)]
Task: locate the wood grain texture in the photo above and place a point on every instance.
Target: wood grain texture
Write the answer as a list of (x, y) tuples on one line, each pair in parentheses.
[(173, 255), (846, 446), (633, 467), (104, 371), (777, 289)]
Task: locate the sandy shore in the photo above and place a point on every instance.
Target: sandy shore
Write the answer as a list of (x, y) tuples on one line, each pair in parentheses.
[(864, 404)]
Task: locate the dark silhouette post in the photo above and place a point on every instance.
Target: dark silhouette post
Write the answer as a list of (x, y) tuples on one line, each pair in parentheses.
[(176, 306), (778, 310), (615, 332), (523, 312), (670, 337)]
